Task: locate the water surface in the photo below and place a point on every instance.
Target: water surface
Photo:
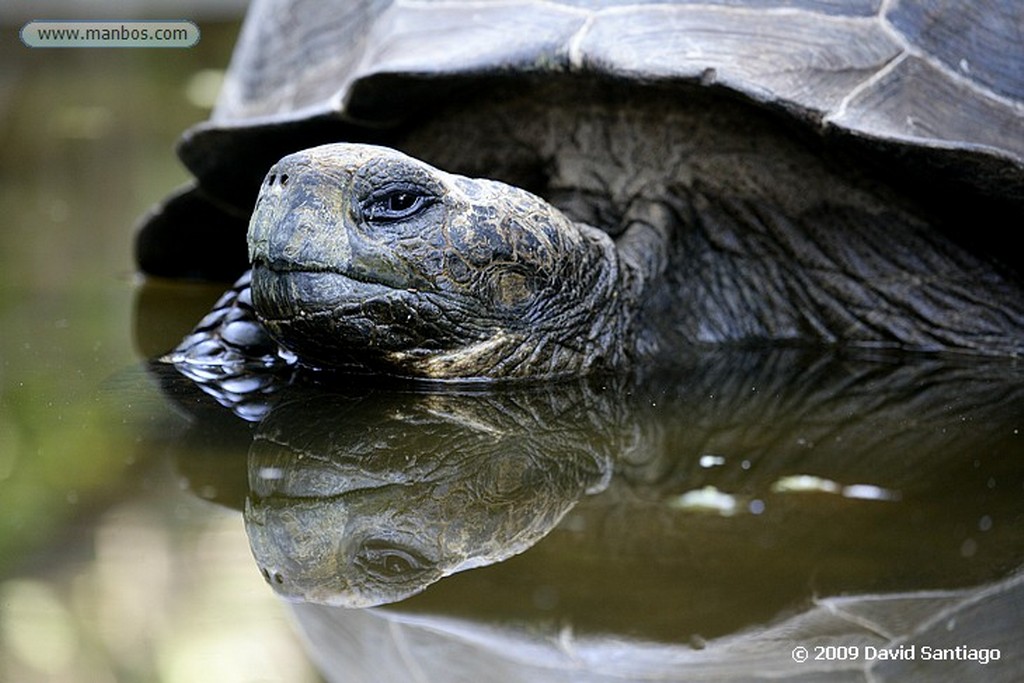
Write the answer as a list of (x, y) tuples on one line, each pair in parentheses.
[(701, 519)]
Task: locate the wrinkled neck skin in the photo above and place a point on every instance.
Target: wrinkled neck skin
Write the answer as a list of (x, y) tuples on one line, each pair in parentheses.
[(730, 229), (593, 323), (592, 328)]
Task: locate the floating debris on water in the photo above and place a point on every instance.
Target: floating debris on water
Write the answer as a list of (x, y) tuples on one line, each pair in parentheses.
[(708, 460), (707, 499), (806, 483), (869, 492), (803, 483)]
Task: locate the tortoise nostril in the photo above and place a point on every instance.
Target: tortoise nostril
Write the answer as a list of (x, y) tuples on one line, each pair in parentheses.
[(284, 178), (271, 179)]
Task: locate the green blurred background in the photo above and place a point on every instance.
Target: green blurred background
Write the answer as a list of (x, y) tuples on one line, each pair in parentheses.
[(110, 568)]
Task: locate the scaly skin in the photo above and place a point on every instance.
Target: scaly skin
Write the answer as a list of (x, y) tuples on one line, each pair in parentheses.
[(364, 255)]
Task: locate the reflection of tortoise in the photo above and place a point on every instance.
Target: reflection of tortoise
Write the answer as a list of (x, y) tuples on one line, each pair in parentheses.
[(341, 514), (729, 171)]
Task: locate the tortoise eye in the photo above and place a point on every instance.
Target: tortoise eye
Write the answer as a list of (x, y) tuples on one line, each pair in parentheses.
[(395, 205), (388, 562)]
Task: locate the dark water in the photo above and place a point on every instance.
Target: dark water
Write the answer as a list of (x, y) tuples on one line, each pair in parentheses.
[(700, 520), (691, 522)]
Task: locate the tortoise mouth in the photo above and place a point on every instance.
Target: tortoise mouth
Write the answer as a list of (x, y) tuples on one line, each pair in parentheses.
[(289, 291), (332, 319), (357, 277)]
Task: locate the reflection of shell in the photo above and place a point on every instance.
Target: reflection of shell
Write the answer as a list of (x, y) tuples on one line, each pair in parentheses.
[(382, 645)]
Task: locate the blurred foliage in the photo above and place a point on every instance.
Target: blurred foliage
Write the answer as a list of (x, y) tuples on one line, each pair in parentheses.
[(87, 138), (102, 576)]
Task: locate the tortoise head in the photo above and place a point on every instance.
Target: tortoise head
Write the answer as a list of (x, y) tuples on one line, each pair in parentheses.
[(364, 255)]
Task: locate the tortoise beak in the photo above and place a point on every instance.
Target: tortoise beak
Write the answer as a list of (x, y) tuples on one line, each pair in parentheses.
[(292, 215)]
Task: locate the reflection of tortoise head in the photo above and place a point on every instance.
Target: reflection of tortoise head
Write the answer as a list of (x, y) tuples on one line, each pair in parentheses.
[(368, 516)]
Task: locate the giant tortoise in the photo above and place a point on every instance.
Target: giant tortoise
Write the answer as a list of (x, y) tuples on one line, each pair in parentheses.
[(623, 180)]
